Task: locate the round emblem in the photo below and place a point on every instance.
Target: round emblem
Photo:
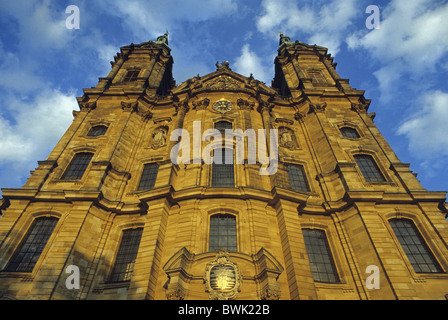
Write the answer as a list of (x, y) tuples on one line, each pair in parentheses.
[(222, 106)]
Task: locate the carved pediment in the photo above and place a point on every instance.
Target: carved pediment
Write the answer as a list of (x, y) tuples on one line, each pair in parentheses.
[(223, 82)]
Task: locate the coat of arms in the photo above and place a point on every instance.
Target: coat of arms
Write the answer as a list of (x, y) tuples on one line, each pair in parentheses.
[(222, 278)]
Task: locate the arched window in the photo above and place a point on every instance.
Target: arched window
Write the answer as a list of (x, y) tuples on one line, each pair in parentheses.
[(369, 168), (415, 247), (222, 232), (348, 132), (149, 176), (32, 245), (223, 173), (97, 131), (79, 164), (319, 255), (126, 255), (297, 178)]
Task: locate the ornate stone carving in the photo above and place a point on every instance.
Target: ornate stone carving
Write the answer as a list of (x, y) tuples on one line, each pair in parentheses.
[(223, 83), (201, 104), (299, 116), (271, 292), (181, 107), (245, 104), (222, 278), (129, 106), (318, 107), (287, 138), (222, 106), (159, 137), (360, 107), (87, 105), (223, 66), (175, 292)]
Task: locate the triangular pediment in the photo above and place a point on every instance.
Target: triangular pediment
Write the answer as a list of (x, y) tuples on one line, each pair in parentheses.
[(223, 79)]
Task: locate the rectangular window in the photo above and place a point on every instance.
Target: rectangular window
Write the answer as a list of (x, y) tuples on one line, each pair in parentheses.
[(297, 178), (415, 247), (319, 255), (317, 77), (149, 176), (79, 164), (32, 246), (369, 168), (222, 232), (127, 253), (131, 75), (223, 173)]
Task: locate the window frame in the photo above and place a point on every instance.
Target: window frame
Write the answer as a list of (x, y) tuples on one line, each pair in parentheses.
[(317, 77), (142, 175), (301, 168), (425, 245), (224, 215), (214, 166), (134, 76), (114, 276), (341, 130), (92, 128), (375, 165), (65, 177), (331, 256), (24, 241)]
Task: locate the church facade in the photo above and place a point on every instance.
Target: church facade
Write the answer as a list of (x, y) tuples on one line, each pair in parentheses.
[(308, 200)]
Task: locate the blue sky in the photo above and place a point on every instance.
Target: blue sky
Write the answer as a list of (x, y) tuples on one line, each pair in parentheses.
[(402, 66)]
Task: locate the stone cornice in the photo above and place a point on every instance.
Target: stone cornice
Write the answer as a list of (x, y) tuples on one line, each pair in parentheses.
[(307, 203)]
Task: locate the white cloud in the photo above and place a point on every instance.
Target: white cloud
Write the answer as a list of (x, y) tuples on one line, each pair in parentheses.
[(149, 19), (427, 128), (248, 62), (39, 25), (411, 40), (34, 127), (323, 22)]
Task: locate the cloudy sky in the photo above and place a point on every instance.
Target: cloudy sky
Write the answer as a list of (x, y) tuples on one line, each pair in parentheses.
[(402, 66)]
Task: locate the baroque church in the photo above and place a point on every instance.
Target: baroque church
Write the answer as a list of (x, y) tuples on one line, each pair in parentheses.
[(128, 206)]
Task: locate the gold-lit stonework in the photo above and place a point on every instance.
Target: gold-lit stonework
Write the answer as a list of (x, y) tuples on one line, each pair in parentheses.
[(110, 201), (222, 106)]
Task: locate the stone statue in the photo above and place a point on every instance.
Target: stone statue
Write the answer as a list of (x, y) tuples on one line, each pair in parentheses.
[(284, 40), (159, 138), (163, 39), (223, 66)]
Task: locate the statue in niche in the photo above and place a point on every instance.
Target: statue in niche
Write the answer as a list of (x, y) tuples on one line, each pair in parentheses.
[(159, 137), (287, 138)]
